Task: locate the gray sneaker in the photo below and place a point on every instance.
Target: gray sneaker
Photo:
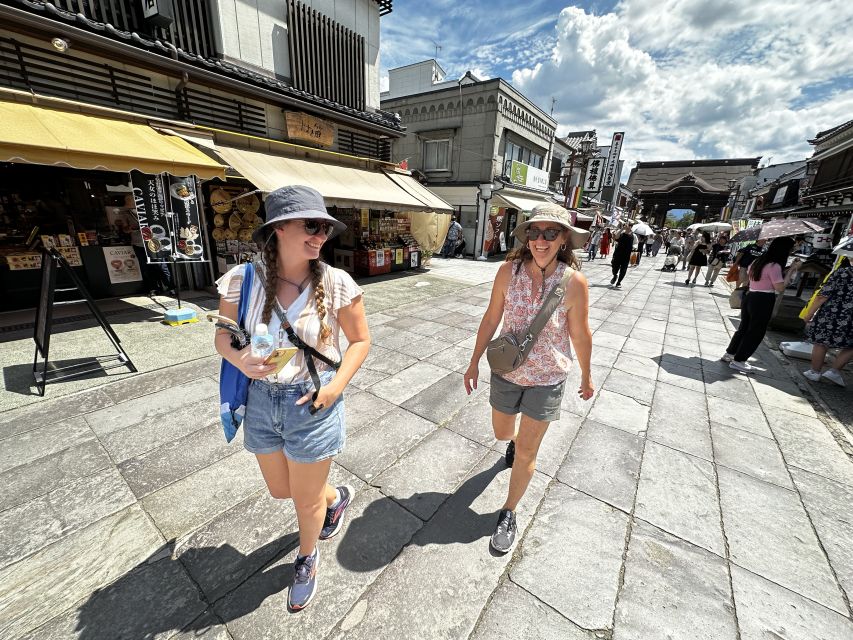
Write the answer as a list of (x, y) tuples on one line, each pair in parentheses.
[(503, 539), (336, 513), (304, 581)]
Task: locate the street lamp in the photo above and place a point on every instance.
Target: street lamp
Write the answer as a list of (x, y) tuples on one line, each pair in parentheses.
[(484, 194)]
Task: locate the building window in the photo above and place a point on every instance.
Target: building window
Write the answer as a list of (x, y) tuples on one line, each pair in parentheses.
[(437, 155), (522, 154)]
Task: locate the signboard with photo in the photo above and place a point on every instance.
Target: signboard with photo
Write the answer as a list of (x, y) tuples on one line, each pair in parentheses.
[(122, 265), (184, 203), (150, 204)]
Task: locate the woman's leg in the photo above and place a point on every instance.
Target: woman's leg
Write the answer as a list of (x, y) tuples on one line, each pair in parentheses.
[(819, 356), (503, 424), (277, 476), (614, 266), (530, 434), (844, 356), (760, 308), (309, 490), (742, 328)]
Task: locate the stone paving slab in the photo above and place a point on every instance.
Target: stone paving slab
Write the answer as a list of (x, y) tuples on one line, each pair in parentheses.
[(51, 581), (751, 454), (28, 446), (36, 524), (409, 382), (514, 614), (769, 534), (673, 589), (677, 493), (604, 462), (572, 555), (442, 400), (456, 538), (830, 508), (767, 610), (620, 411), (679, 419)]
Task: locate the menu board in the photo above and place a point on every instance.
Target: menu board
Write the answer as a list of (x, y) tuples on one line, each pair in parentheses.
[(71, 255), (150, 205), (24, 261), (184, 202), (122, 265)]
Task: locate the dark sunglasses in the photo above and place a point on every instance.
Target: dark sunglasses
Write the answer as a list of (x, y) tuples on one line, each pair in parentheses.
[(549, 234), (315, 227)]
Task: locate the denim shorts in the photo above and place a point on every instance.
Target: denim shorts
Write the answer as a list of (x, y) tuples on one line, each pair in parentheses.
[(540, 403), (274, 422)]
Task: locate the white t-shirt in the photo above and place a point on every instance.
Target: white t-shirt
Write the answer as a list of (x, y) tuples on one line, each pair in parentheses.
[(340, 291)]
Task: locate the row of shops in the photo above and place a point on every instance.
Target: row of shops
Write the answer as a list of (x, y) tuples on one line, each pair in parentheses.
[(114, 193)]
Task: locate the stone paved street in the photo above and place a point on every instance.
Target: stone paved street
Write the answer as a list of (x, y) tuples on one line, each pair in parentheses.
[(683, 502)]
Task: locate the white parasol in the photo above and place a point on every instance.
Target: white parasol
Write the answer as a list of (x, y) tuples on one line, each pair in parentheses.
[(642, 229), (715, 226), (844, 248)]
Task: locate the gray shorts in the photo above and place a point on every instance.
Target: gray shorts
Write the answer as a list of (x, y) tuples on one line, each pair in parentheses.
[(540, 403)]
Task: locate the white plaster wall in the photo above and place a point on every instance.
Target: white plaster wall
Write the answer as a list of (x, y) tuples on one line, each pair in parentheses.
[(254, 32)]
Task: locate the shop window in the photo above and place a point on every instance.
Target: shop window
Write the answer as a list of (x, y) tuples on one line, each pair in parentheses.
[(437, 155)]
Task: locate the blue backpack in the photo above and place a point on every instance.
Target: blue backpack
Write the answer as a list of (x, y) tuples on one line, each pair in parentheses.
[(233, 383)]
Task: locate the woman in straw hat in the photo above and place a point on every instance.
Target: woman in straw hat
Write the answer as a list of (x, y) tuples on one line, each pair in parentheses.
[(294, 420), (535, 389)]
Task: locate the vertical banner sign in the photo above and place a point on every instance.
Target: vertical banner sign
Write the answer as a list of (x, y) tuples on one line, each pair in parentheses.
[(150, 203), (184, 203), (594, 172), (611, 169)]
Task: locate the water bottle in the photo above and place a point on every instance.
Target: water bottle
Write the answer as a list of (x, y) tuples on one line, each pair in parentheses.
[(262, 342)]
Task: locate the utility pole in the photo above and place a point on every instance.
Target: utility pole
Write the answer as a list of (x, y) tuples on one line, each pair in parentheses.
[(437, 48), (553, 102)]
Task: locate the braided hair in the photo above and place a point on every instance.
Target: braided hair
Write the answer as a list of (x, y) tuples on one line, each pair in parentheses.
[(271, 287)]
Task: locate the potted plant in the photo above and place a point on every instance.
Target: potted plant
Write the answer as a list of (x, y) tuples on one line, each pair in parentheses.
[(426, 254)]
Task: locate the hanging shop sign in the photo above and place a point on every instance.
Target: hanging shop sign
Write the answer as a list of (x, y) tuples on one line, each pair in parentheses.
[(527, 176), (122, 265), (594, 173), (167, 209), (301, 126), (611, 169)]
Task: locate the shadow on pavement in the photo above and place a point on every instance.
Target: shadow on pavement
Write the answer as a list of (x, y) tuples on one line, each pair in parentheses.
[(156, 597), (18, 378), (454, 523)]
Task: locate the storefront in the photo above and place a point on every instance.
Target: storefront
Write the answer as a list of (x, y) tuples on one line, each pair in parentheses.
[(65, 182), (381, 206), (509, 209)]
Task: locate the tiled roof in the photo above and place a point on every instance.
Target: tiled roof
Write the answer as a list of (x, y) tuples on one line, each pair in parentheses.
[(829, 132), (154, 45), (708, 174)]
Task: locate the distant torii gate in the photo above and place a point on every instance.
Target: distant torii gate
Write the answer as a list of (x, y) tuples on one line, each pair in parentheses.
[(700, 185)]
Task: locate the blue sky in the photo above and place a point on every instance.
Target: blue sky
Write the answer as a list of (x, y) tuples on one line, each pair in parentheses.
[(683, 78)]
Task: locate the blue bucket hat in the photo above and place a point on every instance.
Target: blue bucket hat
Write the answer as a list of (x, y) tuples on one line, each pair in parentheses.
[(296, 202)]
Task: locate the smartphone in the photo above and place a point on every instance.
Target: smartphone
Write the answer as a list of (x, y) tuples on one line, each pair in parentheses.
[(280, 357)]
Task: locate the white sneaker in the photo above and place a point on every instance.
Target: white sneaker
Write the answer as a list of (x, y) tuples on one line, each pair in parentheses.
[(812, 375), (727, 357), (834, 376), (743, 367)]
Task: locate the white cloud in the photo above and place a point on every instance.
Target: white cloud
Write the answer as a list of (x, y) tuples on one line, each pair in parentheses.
[(692, 78)]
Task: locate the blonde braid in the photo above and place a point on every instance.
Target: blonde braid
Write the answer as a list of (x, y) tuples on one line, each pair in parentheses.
[(271, 275), (320, 299)]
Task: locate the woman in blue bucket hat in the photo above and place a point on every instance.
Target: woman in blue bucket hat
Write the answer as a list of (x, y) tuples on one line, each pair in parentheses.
[(294, 421)]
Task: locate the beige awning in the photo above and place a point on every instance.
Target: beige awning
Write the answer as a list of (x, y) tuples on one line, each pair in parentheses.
[(414, 188), (341, 186), (522, 203), (34, 134)]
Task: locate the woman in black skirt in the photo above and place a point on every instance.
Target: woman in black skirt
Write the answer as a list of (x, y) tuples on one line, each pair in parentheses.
[(699, 257)]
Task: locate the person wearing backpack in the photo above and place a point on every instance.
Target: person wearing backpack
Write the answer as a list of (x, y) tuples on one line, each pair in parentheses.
[(294, 421)]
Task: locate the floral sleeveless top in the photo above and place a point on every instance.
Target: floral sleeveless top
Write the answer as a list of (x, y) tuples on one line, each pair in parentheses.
[(549, 361)]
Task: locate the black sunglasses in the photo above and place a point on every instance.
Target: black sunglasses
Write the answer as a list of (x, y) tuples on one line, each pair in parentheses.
[(549, 234), (315, 227)]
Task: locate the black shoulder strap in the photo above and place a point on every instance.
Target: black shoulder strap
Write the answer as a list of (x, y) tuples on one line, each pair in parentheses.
[(296, 341)]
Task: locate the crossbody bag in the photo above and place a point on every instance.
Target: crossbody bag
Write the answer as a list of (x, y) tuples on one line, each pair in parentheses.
[(310, 352), (508, 352)]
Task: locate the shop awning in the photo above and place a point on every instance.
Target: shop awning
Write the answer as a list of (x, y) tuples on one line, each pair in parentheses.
[(341, 186), (522, 203), (34, 134), (414, 188)]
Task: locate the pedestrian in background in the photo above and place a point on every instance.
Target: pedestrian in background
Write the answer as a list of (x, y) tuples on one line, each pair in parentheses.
[(686, 249), (650, 241), (294, 428), (656, 244), (717, 259), (625, 241), (698, 257), (454, 233), (606, 238), (745, 257), (592, 245), (765, 281), (535, 389), (641, 245), (830, 325)]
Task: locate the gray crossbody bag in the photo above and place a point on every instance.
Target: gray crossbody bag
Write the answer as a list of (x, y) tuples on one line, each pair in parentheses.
[(508, 352)]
